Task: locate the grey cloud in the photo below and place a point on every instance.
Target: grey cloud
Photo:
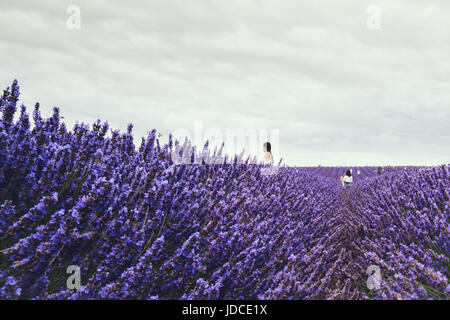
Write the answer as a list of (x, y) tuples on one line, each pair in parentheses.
[(339, 93)]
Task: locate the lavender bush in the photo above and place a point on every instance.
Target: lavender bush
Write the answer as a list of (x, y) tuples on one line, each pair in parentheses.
[(140, 226)]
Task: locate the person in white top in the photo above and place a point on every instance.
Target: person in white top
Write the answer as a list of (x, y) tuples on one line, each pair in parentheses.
[(268, 158), (347, 179)]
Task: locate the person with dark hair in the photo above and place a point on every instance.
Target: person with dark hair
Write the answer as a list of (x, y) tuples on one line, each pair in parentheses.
[(268, 158), (347, 179)]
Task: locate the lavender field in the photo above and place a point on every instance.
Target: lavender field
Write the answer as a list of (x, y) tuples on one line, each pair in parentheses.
[(140, 226)]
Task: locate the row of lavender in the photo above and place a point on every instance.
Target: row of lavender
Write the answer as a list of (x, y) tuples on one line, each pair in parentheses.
[(401, 224), (139, 226)]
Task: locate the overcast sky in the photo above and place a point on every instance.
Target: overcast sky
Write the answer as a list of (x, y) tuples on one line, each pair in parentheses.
[(339, 92)]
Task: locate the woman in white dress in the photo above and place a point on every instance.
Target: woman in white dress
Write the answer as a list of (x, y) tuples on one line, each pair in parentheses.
[(347, 179), (268, 158)]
